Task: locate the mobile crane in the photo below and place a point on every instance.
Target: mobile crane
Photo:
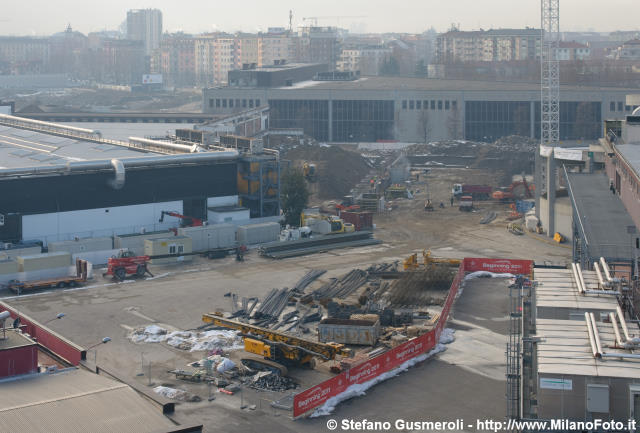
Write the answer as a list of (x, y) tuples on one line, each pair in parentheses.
[(277, 349), (186, 221)]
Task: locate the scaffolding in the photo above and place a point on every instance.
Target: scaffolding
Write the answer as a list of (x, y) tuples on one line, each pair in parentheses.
[(259, 185), (513, 353)]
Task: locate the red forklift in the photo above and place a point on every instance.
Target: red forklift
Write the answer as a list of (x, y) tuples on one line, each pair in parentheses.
[(127, 264)]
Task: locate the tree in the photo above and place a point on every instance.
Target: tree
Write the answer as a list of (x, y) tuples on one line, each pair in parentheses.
[(294, 196), (424, 129)]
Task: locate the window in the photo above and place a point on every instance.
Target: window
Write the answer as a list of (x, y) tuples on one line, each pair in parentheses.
[(404, 105), (224, 103), (217, 103), (439, 105), (418, 105), (454, 105), (619, 106), (230, 103), (612, 106), (257, 103), (210, 103), (433, 104), (237, 103), (244, 103), (180, 249), (250, 103), (172, 249), (446, 104), (425, 104), (411, 105), (627, 108)]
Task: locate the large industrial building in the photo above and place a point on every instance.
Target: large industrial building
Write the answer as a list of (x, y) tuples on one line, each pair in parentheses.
[(61, 183), (368, 109)]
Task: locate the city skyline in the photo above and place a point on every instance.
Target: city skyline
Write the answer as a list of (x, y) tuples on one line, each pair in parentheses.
[(38, 18)]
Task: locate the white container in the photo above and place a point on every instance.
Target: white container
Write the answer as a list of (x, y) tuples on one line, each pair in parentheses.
[(82, 245), (258, 233), (39, 262), (210, 237)]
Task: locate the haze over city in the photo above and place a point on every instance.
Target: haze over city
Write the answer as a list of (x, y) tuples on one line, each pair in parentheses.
[(41, 17)]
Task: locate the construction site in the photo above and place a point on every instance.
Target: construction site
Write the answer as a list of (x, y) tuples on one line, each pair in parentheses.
[(234, 276)]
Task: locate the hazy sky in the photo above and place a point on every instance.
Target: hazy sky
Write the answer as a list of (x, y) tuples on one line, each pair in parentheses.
[(42, 17)]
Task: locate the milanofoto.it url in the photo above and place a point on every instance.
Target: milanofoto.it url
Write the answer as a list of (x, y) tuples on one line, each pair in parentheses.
[(480, 425)]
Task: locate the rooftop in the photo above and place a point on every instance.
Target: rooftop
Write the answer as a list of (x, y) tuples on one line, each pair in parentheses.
[(14, 339), (432, 84), (557, 288), (601, 216), (565, 349), (25, 148), (631, 153), (76, 401)]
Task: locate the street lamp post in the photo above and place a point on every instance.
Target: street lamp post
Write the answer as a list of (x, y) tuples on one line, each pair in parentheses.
[(105, 340), (58, 316)]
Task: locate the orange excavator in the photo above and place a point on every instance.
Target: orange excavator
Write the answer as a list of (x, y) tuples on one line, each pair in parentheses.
[(516, 191), (186, 221)]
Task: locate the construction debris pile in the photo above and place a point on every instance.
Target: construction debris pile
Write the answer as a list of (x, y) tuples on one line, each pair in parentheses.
[(338, 169), (427, 286), (272, 382), (191, 341)]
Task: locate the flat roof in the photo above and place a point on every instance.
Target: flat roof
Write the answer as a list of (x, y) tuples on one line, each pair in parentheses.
[(76, 401), (602, 216), (431, 84), (14, 339), (277, 68), (564, 349), (557, 288), (25, 148), (631, 154)]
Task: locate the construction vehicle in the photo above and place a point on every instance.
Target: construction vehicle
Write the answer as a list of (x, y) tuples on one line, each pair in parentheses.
[(80, 277), (336, 225), (466, 203), (274, 349), (516, 191), (309, 171), (126, 264), (428, 206), (477, 192), (185, 221)]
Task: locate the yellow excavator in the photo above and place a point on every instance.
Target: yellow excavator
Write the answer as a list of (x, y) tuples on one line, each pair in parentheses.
[(411, 262), (274, 350), (309, 171)]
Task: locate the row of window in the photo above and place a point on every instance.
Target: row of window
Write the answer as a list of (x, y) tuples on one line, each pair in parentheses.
[(429, 105), (621, 107), (230, 103)]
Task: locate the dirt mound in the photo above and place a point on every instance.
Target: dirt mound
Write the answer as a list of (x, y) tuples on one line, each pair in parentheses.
[(338, 170)]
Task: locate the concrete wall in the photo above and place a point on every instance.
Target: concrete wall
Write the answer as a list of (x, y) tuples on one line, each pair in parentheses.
[(563, 216), (62, 226)]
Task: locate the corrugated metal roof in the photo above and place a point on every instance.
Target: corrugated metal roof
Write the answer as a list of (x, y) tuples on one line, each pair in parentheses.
[(76, 401), (557, 288), (565, 349), (24, 148)]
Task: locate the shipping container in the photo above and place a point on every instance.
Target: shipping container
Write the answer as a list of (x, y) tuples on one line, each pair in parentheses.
[(258, 233), (360, 220), (210, 237), (347, 331), (39, 262), (82, 245), (135, 242), (174, 248), (13, 253), (8, 266)]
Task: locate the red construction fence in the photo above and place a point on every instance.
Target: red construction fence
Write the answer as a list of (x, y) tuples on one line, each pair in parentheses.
[(314, 397), (47, 338)]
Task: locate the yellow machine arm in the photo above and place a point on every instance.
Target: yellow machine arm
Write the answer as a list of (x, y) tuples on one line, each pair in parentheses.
[(328, 351)]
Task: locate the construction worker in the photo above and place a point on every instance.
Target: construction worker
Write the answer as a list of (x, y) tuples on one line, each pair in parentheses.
[(451, 201)]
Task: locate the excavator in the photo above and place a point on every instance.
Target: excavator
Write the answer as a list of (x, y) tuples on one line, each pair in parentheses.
[(186, 221), (516, 191), (273, 350), (309, 171)]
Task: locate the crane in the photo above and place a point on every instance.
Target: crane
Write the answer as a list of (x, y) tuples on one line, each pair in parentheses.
[(337, 18), (277, 348), (187, 221)]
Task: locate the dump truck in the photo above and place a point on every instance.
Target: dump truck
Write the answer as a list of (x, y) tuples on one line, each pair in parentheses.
[(477, 192), (68, 281)]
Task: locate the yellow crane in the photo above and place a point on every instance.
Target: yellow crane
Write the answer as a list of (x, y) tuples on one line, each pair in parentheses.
[(276, 348)]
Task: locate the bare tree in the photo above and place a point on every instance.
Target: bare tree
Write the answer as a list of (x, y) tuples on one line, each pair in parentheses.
[(424, 129)]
